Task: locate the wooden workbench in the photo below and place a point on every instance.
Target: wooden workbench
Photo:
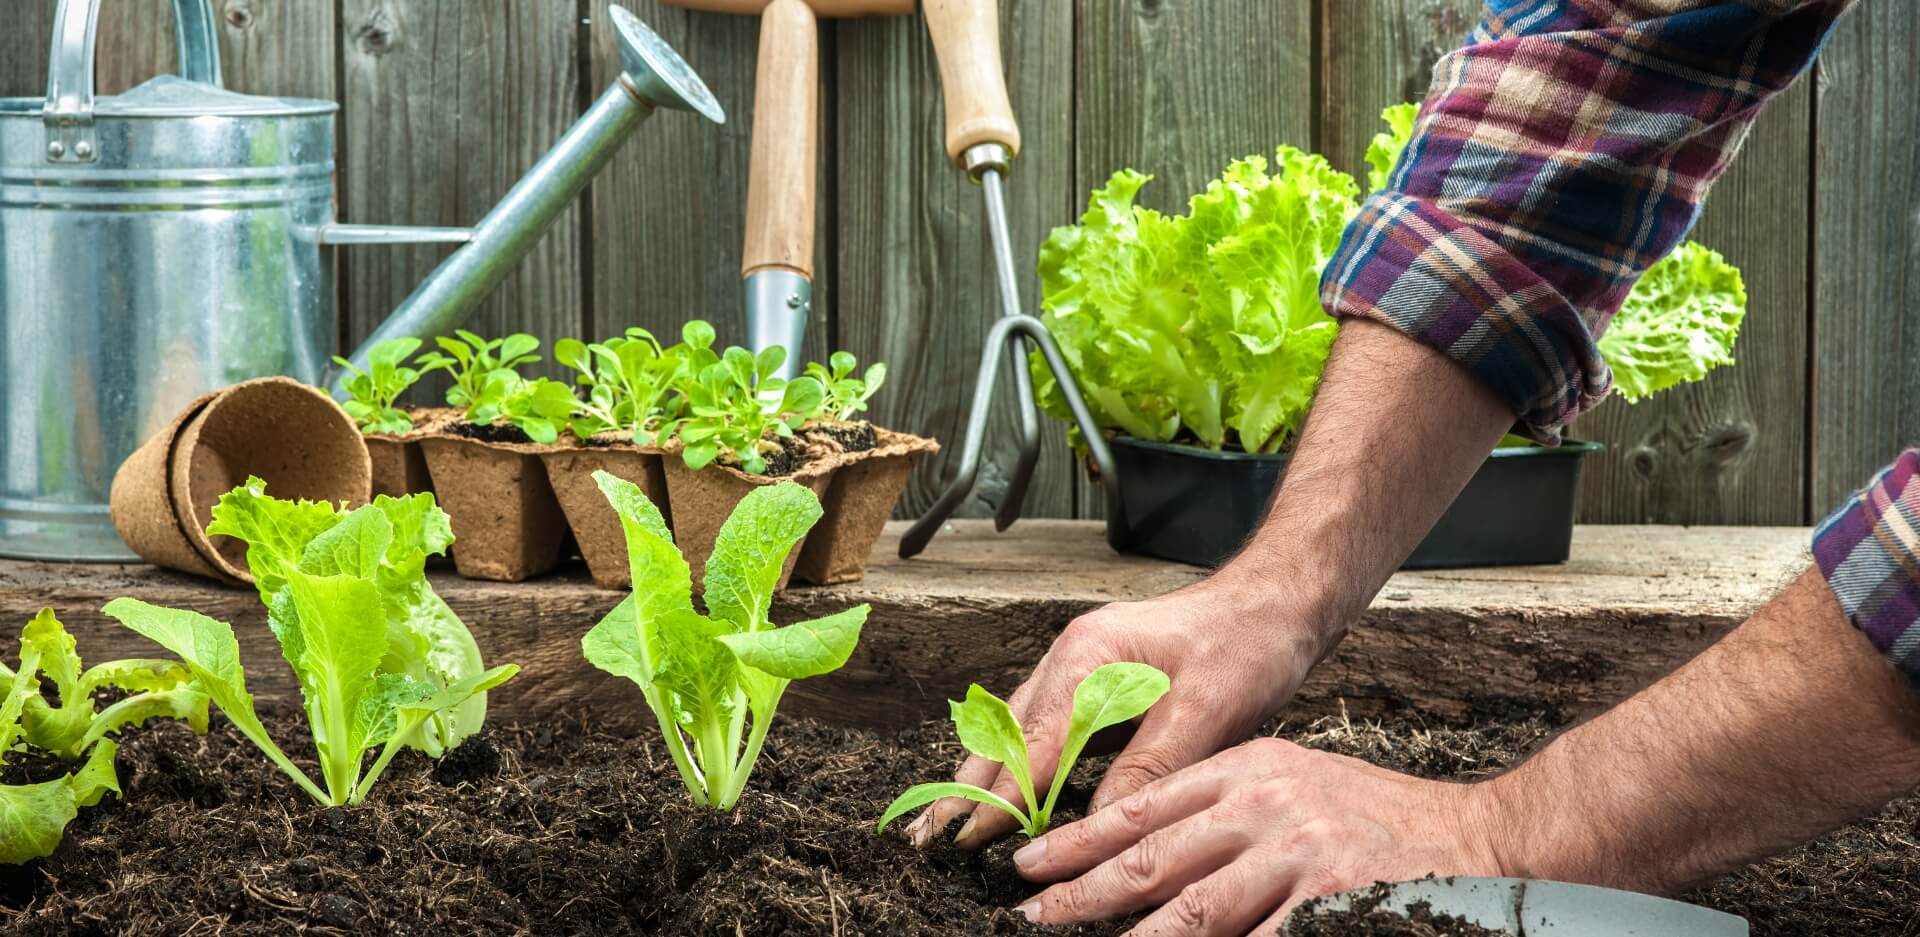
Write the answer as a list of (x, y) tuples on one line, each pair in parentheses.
[(979, 606)]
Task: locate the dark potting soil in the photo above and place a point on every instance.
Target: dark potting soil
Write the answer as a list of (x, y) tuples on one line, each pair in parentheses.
[(1365, 918), (843, 435), (491, 432), (790, 455), (559, 828)]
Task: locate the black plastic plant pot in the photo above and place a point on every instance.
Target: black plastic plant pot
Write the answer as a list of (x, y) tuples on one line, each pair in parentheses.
[(1198, 506)]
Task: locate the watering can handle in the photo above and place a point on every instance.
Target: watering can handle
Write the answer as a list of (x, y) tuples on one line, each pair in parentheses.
[(69, 110)]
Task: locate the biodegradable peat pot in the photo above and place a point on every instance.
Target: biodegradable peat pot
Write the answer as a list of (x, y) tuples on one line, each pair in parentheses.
[(294, 437), (507, 526), (857, 504), (703, 500), (596, 528), (399, 467), (1198, 506), (141, 502)]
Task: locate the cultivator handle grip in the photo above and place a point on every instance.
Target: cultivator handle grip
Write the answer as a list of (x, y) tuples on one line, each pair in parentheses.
[(966, 40), (786, 143)]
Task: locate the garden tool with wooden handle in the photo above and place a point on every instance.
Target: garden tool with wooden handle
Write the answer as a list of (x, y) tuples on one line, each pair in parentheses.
[(777, 259), (983, 139)]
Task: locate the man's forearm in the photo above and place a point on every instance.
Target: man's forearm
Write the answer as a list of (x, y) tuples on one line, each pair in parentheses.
[(1395, 432), (1789, 727)]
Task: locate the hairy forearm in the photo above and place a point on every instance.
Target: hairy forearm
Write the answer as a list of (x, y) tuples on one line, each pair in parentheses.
[(1395, 432), (1789, 727)]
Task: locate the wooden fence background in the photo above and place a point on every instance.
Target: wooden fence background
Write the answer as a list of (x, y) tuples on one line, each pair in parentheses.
[(444, 103)]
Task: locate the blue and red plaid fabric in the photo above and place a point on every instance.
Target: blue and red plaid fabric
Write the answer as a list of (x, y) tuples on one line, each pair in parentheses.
[(1870, 554), (1566, 148), (1561, 152)]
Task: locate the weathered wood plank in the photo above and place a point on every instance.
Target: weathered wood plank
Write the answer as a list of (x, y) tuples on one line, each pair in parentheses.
[(447, 103), (1866, 398), (266, 47), (1632, 603), (1731, 449), (917, 287), (1375, 54), (669, 211), (1179, 90)]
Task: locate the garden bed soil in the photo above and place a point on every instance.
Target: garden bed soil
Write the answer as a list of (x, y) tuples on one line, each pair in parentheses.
[(1365, 918), (553, 827)]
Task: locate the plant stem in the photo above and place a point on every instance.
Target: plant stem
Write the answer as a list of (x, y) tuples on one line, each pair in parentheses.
[(677, 747)]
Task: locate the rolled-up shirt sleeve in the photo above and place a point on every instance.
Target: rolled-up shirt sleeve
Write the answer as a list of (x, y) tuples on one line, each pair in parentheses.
[(1869, 551), (1565, 149)]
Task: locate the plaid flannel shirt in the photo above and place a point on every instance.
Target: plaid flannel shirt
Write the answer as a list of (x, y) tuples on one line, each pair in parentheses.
[(1561, 152)]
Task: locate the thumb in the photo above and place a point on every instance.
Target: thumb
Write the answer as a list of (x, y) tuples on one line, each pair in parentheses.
[(1165, 743)]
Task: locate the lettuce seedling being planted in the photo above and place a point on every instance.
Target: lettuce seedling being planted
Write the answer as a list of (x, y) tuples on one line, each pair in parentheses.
[(382, 662), (714, 680), (1110, 695)]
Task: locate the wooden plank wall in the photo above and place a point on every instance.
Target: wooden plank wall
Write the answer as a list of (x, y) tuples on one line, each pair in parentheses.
[(446, 102)]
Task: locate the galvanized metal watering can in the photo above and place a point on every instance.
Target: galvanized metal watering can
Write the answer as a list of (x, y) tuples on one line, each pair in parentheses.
[(160, 243)]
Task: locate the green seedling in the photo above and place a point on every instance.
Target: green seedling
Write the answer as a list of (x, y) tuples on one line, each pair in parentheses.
[(382, 662), (151, 688), (371, 392), (538, 408), (713, 681), (472, 360), (628, 380), (736, 407), (1111, 695), (846, 395)]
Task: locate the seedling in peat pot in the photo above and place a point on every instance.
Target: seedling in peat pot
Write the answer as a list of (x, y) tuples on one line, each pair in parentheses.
[(628, 381), (371, 393), (538, 408), (736, 403), (382, 662), (472, 360), (706, 676), (1108, 696), (846, 395)]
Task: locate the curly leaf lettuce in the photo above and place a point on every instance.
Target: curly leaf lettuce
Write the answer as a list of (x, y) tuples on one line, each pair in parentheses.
[(1383, 154), (1205, 326), (1679, 322)]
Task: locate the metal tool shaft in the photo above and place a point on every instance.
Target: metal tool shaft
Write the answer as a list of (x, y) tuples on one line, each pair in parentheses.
[(993, 190)]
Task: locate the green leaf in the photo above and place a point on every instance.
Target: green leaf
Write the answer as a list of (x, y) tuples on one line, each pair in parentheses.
[(751, 550), (1110, 695), (920, 795), (988, 728), (276, 532), (209, 650), (34, 817), (1383, 154), (1680, 322), (333, 632), (616, 645), (796, 652)]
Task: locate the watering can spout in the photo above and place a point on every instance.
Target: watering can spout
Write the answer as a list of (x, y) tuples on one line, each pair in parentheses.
[(654, 76)]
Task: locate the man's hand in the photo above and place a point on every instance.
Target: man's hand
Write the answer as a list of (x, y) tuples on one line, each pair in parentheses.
[(1235, 657), (1233, 845)]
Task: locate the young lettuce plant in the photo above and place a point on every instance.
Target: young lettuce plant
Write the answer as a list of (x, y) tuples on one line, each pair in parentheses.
[(472, 360), (845, 395), (1679, 322), (34, 817), (736, 403), (538, 408), (371, 393), (161, 688), (713, 681), (387, 543), (1110, 695), (628, 382)]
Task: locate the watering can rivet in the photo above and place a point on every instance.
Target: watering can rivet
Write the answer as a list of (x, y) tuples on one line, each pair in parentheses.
[(795, 302), (83, 149), (56, 149)]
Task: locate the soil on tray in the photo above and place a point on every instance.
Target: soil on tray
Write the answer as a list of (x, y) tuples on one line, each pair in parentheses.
[(559, 828), (1365, 918), (491, 432), (843, 435), (791, 456)]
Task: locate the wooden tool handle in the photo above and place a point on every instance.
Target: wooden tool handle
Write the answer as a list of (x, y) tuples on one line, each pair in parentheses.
[(786, 145), (966, 40)]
